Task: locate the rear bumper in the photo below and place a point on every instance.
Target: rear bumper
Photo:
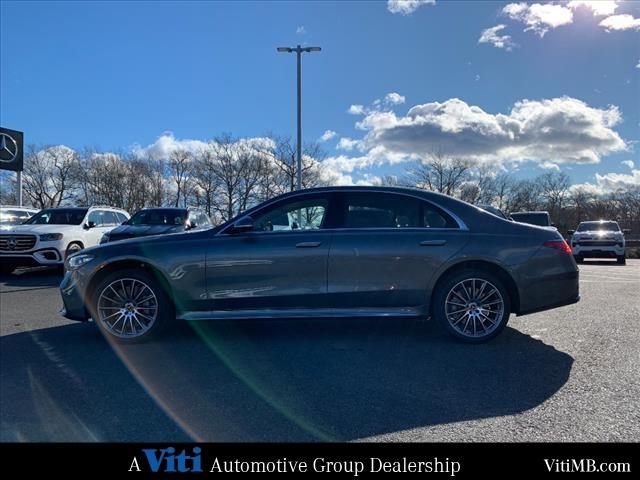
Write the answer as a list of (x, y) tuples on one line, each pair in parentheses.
[(550, 291)]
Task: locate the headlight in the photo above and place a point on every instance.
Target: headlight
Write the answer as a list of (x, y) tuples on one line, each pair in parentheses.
[(105, 238), (76, 261), (50, 237)]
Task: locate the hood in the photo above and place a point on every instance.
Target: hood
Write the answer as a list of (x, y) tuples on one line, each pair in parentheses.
[(132, 231), (38, 229)]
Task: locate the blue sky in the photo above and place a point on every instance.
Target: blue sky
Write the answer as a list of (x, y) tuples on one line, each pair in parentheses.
[(116, 74)]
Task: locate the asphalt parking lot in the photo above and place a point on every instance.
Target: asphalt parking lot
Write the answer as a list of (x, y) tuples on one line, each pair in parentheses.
[(570, 374)]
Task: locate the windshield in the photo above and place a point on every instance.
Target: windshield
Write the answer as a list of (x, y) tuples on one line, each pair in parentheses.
[(158, 217), (592, 226), (58, 216), (541, 219), (13, 217)]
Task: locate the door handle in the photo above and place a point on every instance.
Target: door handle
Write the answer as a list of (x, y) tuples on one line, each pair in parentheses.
[(433, 243), (308, 244)]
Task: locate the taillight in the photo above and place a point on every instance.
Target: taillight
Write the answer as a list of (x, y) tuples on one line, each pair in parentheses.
[(558, 245)]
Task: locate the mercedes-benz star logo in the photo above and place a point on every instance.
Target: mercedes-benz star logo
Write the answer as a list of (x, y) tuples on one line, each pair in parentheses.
[(12, 243), (8, 148)]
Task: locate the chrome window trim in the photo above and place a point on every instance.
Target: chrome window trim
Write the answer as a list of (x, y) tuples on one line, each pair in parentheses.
[(462, 226)]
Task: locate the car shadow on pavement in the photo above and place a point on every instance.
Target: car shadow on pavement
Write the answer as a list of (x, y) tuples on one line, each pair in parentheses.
[(25, 278), (266, 381)]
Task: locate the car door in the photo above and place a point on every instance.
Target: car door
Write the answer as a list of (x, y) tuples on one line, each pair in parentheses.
[(93, 235), (387, 248), (281, 263)]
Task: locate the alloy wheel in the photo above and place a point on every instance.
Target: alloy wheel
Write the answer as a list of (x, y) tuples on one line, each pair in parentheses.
[(127, 308), (474, 307)]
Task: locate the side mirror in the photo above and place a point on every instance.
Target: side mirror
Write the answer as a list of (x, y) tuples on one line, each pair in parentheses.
[(90, 224), (626, 231), (571, 232), (243, 225)]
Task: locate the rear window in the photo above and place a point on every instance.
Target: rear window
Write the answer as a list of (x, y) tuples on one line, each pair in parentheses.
[(387, 210)]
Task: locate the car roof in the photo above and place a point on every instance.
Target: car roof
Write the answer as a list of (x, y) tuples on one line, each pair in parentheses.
[(529, 213), (177, 209)]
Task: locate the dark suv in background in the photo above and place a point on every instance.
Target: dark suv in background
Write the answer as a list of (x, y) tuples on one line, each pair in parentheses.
[(159, 221)]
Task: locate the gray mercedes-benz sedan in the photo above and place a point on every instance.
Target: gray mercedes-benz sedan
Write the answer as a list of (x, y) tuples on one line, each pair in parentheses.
[(329, 252)]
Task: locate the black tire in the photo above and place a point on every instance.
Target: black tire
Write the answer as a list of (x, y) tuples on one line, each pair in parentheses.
[(73, 247), (7, 268), (622, 260), (165, 313), (444, 290)]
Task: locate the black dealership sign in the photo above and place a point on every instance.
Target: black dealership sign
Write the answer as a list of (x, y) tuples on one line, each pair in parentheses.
[(11, 151)]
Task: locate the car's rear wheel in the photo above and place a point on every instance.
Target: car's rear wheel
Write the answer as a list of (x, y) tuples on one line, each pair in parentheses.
[(130, 306), (472, 305), (622, 260)]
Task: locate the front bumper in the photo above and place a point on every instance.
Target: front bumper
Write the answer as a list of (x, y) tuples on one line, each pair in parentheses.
[(596, 251), (35, 258), (73, 299)]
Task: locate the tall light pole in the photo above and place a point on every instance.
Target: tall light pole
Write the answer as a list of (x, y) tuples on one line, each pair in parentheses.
[(299, 51)]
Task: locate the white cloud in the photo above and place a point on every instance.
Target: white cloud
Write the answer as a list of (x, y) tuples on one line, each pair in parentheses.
[(301, 30), (550, 166), (166, 144), (597, 7), (610, 182), (539, 17), (638, 64), (621, 22), (628, 163), (407, 7), (490, 35), (327, 135), (347, 143), (394, 98), (356, 110), (477, 77), (550, 132)]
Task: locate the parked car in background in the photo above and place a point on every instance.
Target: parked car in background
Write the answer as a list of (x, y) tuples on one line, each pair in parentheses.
[(159, 221), (11, 215), (329, 252), (495, 211), (598, 239), (52, 234), (541, 219)]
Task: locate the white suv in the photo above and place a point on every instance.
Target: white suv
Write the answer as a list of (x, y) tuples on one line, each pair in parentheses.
[(598, 239), (52, 234)]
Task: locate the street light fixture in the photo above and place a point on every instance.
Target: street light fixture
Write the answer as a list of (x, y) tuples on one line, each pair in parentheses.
[(299, 51)]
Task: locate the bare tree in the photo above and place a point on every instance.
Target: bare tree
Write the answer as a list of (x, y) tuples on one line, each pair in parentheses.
[(440, 173), (50, 175), (179, 167)]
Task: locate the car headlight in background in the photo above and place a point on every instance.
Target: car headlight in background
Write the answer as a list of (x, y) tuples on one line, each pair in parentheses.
[(76, 261), (104, 239), (50, 237)]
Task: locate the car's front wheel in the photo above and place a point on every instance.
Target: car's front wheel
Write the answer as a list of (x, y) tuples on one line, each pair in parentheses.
[(130, 306), (622, 260), (472, 305)]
